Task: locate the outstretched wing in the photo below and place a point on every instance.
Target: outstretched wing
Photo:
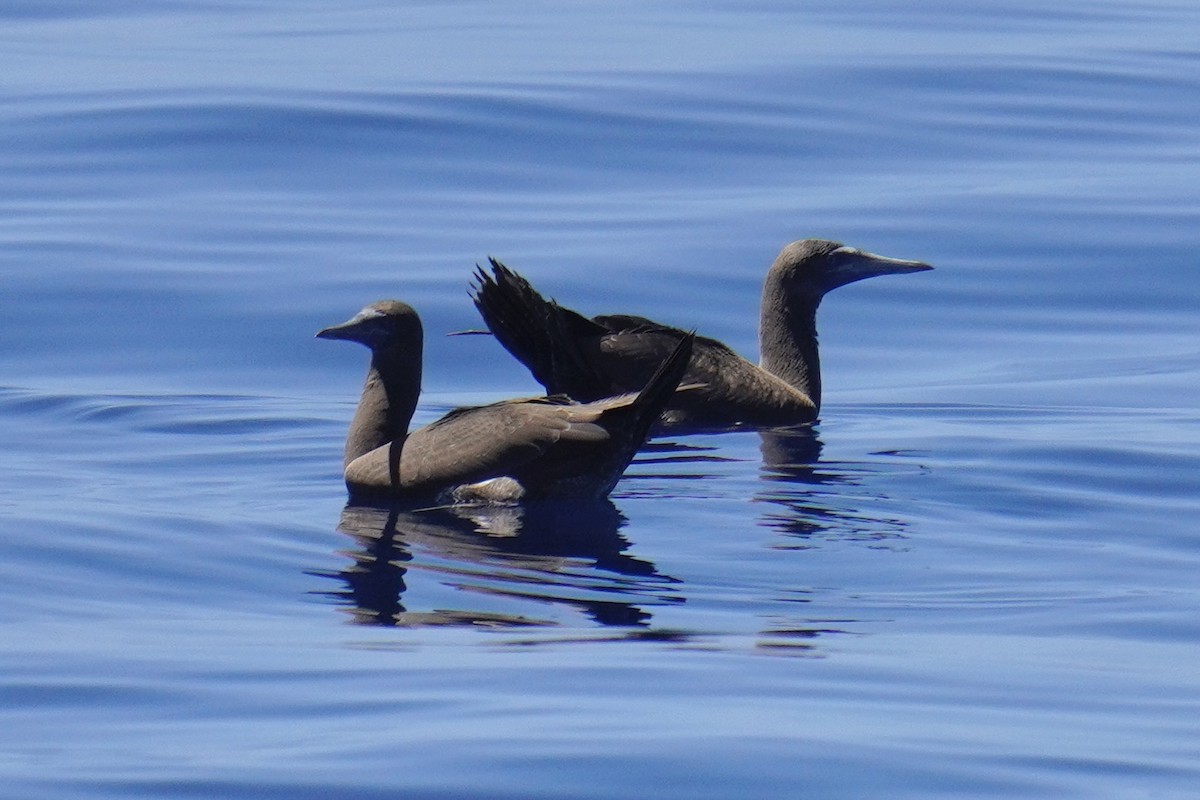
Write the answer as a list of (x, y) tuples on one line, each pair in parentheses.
[(540, 333)]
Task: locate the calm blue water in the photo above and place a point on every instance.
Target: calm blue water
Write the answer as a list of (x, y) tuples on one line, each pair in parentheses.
[(977, 577)]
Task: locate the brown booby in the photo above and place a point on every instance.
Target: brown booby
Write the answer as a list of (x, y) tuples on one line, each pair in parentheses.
[(536, 448), (592, 358)]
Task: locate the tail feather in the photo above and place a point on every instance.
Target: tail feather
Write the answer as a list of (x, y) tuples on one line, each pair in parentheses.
[(660, 389), (639, 416), (539, 333)]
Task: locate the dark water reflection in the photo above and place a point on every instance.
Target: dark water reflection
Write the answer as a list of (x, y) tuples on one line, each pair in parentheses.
[(791, 454), (812, 494), (561, 554), (505, 567)]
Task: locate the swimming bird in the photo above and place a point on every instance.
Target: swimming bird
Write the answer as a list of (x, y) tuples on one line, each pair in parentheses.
[(591, 358), (536, 448)]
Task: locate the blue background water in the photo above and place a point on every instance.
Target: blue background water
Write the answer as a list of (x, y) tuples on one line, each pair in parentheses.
[(978, 576)]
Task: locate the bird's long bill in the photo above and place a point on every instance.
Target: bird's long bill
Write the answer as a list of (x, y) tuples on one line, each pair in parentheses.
[(350, 329), (342, 331), (852, 265)]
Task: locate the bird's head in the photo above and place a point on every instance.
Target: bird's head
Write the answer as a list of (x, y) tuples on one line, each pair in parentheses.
[(812, 267), (380, 326)]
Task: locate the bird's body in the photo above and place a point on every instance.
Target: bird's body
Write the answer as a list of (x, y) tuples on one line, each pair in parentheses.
[(589, 358), (536, 448)]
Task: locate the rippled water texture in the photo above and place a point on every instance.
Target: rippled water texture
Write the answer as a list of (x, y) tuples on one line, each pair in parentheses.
[(977, 576)]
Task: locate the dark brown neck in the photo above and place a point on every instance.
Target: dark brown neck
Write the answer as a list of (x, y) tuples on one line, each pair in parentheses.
[(389, 398), (787, 338)]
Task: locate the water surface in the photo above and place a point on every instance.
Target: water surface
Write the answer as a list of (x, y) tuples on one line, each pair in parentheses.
[(976, 576)]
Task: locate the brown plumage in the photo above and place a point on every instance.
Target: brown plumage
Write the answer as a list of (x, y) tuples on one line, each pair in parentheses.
[(604, 355), (546, 447)]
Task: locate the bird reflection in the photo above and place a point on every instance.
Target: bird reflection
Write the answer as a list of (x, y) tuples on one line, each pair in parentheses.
[(817, 496), (791, 454), (569, 554), (526, 567)]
